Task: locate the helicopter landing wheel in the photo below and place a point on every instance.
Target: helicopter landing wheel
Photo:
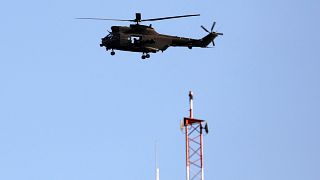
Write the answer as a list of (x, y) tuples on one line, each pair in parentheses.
[(190, 47), (147, 55), (143, 57), (112, 53)]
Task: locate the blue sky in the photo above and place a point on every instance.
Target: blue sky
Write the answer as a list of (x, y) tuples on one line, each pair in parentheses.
[(68, 110)]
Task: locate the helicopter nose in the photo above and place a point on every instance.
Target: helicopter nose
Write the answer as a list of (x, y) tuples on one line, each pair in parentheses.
[(103, 44), (104, 41)]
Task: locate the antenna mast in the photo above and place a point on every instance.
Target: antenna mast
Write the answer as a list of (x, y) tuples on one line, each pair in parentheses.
[(156, 161), (194, 144)]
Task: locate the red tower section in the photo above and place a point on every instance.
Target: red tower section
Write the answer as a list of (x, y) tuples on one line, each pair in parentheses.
[(194, 144)]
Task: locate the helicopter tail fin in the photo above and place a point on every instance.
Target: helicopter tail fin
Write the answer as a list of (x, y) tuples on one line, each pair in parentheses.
[(205, 41)]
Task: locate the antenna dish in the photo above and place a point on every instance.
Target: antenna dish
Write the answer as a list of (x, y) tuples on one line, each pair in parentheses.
[(206, 128)]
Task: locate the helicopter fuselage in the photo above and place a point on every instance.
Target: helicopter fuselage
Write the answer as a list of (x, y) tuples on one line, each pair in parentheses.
[(141, 38)]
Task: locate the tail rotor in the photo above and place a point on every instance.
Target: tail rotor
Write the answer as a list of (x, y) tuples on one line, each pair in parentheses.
[(212, 32)]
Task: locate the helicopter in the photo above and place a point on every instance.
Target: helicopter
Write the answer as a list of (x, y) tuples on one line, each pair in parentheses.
[(144, 39)]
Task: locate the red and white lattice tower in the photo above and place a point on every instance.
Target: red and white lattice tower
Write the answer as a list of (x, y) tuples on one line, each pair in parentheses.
[(194, 144)]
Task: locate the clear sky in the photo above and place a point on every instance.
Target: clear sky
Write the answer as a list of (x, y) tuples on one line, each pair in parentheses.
[(70, 111)]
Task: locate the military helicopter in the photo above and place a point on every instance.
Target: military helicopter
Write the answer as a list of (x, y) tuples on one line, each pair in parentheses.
[(144, 39)]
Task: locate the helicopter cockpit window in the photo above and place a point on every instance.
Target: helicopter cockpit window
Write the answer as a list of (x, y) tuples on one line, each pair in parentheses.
[(135, 39), (109, 36)]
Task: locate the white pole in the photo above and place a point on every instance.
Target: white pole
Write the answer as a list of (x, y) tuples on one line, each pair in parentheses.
[(156, 162), (158, 174), (191, 103)]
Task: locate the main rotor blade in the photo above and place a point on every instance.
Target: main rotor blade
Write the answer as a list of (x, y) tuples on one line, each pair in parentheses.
[(103, 19), (214, 23), (219, 34), (171, 17), (205, 29)]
